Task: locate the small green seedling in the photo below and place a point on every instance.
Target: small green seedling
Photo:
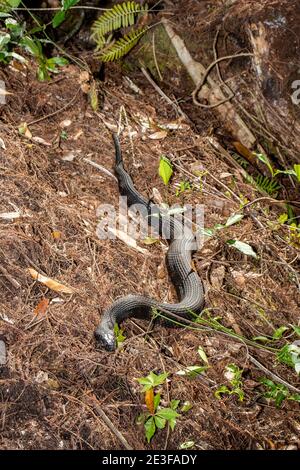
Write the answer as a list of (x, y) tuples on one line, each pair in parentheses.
[(277, 392), (234, 375), (183, 186), (194, 371), (156, 417), (165, 169), (120, 338), (64, 135), (289, 354)]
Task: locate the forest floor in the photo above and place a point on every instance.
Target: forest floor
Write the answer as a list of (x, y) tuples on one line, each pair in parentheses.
[(56, 383)]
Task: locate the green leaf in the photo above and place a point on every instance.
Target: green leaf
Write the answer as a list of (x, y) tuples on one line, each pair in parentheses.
[(282, 218), (167, 413), (219, 226), (14, 3), (150, 428), (202, 354), (192, 371), (42, 73), (264, 339), (264, 159), (4, 39), (120, 338), (119, 16), (207, 232), (243, 247), (187, 445), (294, 397), (290, 355), (174, 404), (122, 46), (34, 47), (223, 389), (297, 171), (296, 329), (165, 169), (279, 332), (172, 423), (187, 405), (160, 422), (233, 219), (60, 61), (152, 380), (66, 4), (58, 18), (156, 401), (269, 383)]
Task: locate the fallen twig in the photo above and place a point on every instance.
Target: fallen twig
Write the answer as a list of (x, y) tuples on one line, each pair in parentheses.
[(100, 167), (274, 376)]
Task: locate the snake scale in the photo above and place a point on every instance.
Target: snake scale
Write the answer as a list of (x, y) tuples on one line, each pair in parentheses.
[(186, 281)]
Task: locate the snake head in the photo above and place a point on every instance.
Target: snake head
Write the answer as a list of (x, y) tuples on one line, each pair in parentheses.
[(105, 337)]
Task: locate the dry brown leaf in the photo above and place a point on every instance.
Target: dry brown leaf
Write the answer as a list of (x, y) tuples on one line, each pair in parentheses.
[(40, 140), (245, 152), (23, 130), (149, 400), (2, 144), (51, 283), (65, 123), (158, 135), (84, 76), (41, 308)]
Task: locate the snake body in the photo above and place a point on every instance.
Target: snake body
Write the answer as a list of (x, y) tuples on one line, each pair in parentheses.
[(186, 281)]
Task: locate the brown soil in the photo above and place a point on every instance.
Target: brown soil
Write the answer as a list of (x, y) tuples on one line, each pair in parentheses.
[(55, 377)]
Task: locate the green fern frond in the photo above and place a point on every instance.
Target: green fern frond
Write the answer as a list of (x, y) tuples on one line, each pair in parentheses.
[(241, 161), (265, 184), (119, 16), (122, 46)]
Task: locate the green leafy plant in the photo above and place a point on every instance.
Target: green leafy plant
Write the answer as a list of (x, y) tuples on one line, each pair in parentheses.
[(241, 161), (16, 36), (277, 335), (267, 185), (120, 338), (122, 15), (277, 392), (122, 46), (165, 169), (234, 375), (10, 39), (60, 16), (194, 371), (289, 354), (34, 47), (183, 186), (241, 246), (156, 417), (274, 172), (64, 135)]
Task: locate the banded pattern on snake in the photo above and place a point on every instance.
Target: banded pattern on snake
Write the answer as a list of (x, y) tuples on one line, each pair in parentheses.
[(186, 281)]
